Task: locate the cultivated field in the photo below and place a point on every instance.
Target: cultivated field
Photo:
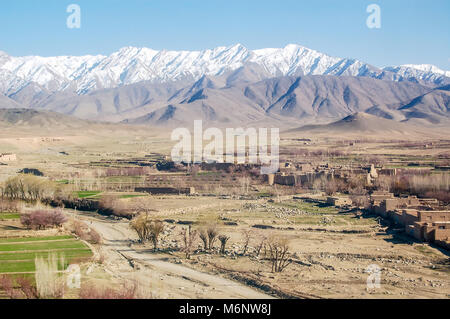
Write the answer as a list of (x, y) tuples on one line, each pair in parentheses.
[(327, 249)]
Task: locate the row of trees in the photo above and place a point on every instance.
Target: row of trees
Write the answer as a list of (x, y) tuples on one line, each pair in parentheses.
[(276, 250), (9, 206), (42, 219), (27, 187)]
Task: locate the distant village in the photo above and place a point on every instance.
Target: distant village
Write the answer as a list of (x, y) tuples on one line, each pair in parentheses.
[(425, 219)]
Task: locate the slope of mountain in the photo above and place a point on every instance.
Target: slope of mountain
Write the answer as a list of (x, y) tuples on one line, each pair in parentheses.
[(432, 107), (19, 117), (329, 98), (363, 125), (227, 99), (7, 103), (85, 74), (286, 101), (225, 85)]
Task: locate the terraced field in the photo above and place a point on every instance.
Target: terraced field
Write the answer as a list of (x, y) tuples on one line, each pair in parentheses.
[(17, 255), (5, 216)]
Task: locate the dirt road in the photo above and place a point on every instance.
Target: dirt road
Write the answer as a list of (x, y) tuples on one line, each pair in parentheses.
[(164, 279)]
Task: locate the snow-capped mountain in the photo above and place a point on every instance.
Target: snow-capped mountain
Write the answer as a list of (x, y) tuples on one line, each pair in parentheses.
[(425, 72), (85, 74)]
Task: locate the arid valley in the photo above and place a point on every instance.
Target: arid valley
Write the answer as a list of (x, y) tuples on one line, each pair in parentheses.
[(220, 226)]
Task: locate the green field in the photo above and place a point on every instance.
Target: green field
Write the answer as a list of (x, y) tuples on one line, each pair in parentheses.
[(18, 254), (309, 207), (28, 239), (4, 216), (132, 195), (87, 194)]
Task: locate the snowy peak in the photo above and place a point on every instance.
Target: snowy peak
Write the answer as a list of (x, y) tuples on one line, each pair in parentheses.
[(129, 65), (427, 68), (424, 72)]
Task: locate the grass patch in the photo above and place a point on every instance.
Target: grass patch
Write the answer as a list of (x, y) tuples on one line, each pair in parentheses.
[(84, 252), (50, 245), (4, 216), (31, 239), (131, 196), (124, 179), (87, 194), (309, 207), (264, 195), (425, 250), (19, 254)]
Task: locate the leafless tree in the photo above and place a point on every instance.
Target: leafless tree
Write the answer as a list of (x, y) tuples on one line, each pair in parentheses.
[(189, 237), (147, 229), (261, 245), (247, 236), (204, 237), (278, 254), (223, 242), (212, 235)]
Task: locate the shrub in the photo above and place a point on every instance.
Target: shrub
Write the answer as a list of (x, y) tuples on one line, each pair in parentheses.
[(7, 285), (112, 205), (27, 288), (48, 283), (90, 291), (9, 206), (41, 219), (85, 233)]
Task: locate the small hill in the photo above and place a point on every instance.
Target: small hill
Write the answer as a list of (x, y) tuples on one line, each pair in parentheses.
[(20, 117), (366, 126)]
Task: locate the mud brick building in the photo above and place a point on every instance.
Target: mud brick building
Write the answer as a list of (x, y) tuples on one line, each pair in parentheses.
[(339, 201), (415, 215)]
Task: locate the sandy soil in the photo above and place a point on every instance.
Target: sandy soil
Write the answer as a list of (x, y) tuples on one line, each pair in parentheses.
[(165, 279)]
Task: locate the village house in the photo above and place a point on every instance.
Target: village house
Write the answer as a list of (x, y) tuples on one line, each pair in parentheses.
[(339, 201), (409, 212)]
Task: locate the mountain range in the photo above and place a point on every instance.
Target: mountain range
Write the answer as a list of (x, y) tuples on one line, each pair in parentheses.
[(226, 85)]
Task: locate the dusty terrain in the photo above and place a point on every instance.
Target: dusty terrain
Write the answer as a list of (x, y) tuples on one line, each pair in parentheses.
[(330, 248), (163, 278)]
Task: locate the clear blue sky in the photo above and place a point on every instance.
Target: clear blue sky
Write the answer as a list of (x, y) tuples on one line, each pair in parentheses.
[(412, 31)]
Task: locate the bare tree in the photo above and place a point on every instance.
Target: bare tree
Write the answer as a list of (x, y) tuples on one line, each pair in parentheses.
[(204, 237), (140, 225), (189, 237), (147, 229), (247, 236), (212, 235), (223, 242), (261, 245), (156, 229), (278, 254)]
